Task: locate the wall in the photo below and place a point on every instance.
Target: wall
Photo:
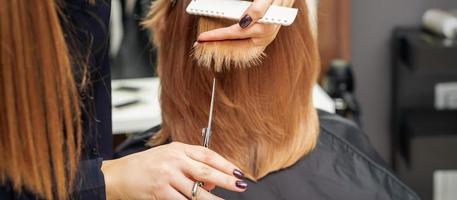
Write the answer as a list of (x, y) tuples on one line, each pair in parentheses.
[(333, 24), (372, 22)]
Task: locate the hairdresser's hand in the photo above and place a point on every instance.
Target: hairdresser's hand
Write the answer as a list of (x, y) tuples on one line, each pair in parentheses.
[(247, 28), (169, 172)]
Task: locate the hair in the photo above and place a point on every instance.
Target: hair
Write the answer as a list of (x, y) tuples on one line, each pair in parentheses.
[(264, 119), (226, 55), (223, 56), (39, 103)]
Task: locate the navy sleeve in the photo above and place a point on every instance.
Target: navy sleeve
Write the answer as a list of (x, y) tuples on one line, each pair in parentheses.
[(90, 27), (89, 183), (88, 33)]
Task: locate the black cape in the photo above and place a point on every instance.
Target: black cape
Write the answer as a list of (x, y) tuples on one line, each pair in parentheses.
[(343, 166)]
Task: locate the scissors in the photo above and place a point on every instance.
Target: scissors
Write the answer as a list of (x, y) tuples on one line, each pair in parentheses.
[(206, 134)]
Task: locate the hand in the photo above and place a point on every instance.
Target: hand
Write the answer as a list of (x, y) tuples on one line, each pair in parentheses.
[(247, 28), (169, 172)]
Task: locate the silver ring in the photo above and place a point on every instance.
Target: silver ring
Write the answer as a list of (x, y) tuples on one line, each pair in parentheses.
[(195, 189)]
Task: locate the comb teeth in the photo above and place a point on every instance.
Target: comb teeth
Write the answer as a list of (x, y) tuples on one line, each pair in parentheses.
[(233, 9), (209, 13)]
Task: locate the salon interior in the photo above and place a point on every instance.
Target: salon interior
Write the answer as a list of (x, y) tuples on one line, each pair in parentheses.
[(388, 66)]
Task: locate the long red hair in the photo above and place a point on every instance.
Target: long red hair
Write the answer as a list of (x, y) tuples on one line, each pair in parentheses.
[(264, 117), (40, 116)]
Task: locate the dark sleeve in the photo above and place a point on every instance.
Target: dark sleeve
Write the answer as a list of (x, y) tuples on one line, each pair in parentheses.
[(88, 36), (136, 143), (89, 182), (87, 28), (90, 21)]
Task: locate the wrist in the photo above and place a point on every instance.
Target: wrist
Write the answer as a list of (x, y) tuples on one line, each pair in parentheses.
[(111, 184)]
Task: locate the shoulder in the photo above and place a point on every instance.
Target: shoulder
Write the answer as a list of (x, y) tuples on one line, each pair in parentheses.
[(352, 153), (88, 24), (345, 133), (343, 165)]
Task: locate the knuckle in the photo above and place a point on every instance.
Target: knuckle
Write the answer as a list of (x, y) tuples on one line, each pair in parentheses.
[(207, 156), (175, 161), (268, 28), (159, 187), (258, 31), (204, 173), (165, 171), (255, 12), (176, 144)]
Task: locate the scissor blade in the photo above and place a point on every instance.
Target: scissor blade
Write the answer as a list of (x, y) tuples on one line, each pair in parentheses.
[(211, 108)]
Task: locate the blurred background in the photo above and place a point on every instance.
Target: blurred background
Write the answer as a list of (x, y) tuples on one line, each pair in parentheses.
[(390, 65)]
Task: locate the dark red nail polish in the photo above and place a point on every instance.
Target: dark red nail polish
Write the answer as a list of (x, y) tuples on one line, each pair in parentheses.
[(238, 174), (245, 21), (241, 184)]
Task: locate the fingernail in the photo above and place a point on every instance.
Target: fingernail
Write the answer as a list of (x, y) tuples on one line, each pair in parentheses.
[(238, 174), (241, 184), (245, 21)]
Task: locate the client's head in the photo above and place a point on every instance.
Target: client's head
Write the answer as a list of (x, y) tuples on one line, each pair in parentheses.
[(264, 119)]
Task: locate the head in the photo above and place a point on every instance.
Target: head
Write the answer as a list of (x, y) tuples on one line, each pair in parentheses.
[(264, 119), (40, 124)]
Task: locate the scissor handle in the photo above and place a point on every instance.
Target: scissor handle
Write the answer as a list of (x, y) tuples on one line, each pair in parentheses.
[(206, 134)]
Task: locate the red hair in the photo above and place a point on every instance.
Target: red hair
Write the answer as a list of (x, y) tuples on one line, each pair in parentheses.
[(40, 116), (264, 117)]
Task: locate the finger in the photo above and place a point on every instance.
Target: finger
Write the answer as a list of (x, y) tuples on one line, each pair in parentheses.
[(256, 11), (227, 33), (209, 187), (185, 186), (234, 32), (204, 173), (170, 193), (206, 186), (212, 159)]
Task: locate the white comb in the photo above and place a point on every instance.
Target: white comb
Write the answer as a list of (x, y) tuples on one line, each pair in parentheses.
[(234, 9)]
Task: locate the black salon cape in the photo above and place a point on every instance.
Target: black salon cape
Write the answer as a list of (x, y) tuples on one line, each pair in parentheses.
[(343, 166), (90, 26)]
